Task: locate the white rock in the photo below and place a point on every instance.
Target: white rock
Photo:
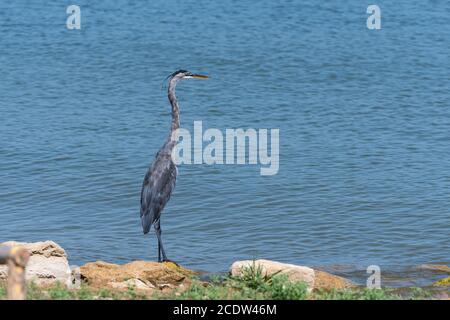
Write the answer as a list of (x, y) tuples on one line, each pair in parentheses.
[(48, 262), (295, 273)]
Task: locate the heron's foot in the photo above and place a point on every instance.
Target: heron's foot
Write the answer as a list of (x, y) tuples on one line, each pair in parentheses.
[(170, 263)]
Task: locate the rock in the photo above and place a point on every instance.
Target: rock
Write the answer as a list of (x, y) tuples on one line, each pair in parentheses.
[(134, 283), (48, 263), (443, 282), (142, 275), (325, 280), (436, 267), (314, 279), (294, 273)]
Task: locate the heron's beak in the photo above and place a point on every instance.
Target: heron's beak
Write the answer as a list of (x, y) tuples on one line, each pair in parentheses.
[(199, 76)]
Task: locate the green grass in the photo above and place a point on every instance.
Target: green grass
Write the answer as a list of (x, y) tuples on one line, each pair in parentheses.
[(251, 285), (281, 289), (412, 293), (61, 292), (356, 294), (2, 291)]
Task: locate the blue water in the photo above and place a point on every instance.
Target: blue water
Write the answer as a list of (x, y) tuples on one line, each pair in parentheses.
[(363, 116)]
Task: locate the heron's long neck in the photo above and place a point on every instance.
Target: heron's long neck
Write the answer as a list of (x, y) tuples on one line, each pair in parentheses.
[(175, 108)]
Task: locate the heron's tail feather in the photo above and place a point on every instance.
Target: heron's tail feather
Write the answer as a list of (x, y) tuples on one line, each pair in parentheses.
[(147, 221)]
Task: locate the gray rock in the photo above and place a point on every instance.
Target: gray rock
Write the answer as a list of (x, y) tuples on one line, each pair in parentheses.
[(48, 263)]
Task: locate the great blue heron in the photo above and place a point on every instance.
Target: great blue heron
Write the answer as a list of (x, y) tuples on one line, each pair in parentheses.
[(159, 181)]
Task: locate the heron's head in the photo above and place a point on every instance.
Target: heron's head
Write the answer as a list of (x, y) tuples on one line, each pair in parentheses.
[(184, 74)]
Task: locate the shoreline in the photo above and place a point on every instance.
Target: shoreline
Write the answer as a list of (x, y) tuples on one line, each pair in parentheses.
[(48, 269)]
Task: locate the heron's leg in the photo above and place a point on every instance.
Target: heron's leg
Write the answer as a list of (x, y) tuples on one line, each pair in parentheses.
[(159, 252), (160, 245)]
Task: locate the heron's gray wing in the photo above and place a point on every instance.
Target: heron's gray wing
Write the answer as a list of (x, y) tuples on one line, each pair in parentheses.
[(157, 187)]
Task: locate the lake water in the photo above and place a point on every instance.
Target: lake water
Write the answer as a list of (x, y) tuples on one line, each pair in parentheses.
[(363, 115)]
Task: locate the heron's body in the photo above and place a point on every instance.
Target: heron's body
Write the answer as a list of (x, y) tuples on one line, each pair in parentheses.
[(157, 187), (159, 181)]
